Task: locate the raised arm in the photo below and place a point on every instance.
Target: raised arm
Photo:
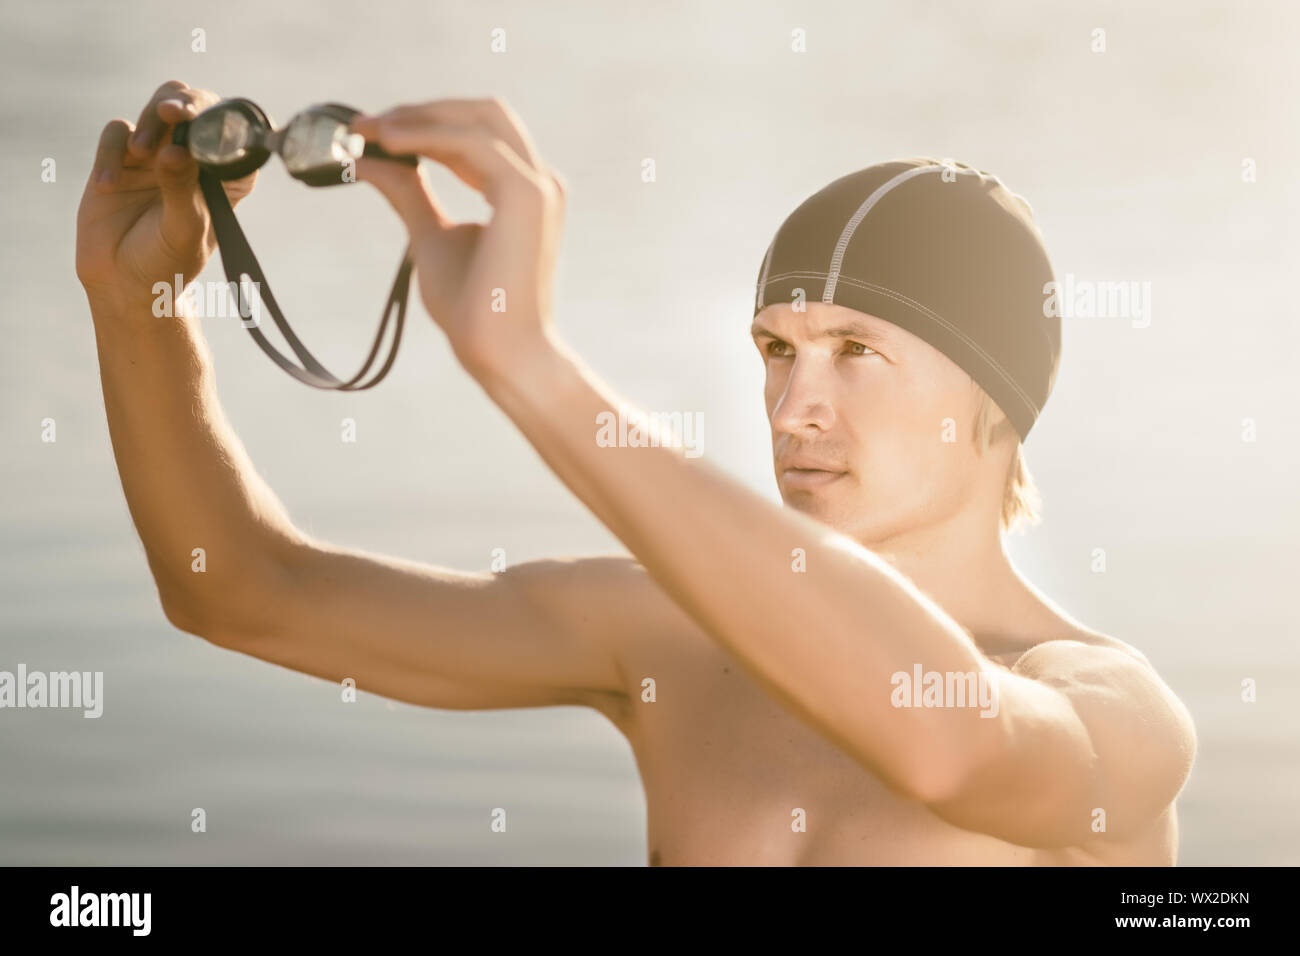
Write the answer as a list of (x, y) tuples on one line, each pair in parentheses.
[(537, 634), (825, 643)]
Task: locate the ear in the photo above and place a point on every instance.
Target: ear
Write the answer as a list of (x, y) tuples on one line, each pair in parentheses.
[(991, 424)]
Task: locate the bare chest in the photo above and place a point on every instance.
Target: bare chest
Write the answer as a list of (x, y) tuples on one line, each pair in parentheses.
[(732, 778)]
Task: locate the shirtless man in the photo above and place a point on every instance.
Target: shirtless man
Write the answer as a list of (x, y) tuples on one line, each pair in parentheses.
[(754, 656)]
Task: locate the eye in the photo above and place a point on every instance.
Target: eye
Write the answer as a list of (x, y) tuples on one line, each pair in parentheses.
[(775, 348), (857, 348)]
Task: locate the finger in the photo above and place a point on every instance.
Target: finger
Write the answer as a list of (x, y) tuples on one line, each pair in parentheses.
[(238, 189), (148, 129), (176, 110), (477, 157), (561, 184), (184, 216), (407, 192), (109, 153), (173, 103), (197, 100), (184, 106), (495, 114)]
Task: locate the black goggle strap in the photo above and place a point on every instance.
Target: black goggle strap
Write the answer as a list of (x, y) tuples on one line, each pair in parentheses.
[(237, 260)]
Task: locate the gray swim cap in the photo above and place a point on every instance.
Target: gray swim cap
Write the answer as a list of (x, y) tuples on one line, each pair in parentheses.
[(944, 251)]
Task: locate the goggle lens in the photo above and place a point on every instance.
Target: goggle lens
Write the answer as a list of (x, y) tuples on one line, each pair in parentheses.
[(314, 140), (220, 137)]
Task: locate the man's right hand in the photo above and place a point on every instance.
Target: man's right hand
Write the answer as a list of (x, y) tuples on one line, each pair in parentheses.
[(142, 217), (538, 634)]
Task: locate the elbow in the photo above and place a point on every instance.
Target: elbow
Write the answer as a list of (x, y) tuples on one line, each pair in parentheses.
[(227, 610), (935, 783), (192, 618), (183, 615), (943, 772), (182, 602)]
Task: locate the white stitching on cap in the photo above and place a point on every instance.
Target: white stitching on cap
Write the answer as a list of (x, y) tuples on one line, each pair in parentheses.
[(833, 277), (767, 264), (837, 258), (974, 346)]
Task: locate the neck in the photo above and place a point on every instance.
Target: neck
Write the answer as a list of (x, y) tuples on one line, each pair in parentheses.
[(962, 565)]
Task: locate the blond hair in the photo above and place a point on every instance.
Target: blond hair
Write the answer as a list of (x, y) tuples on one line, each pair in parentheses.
[(1021, 500)]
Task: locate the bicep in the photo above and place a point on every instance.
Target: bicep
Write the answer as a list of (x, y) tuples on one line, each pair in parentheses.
[(542, 633)]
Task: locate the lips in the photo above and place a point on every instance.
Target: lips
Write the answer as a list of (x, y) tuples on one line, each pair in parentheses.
[(809, 464), (805, 474)]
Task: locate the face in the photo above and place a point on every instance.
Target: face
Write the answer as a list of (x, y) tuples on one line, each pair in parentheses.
[(859, 410)]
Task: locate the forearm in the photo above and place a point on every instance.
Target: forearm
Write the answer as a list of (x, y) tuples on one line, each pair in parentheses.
[(188, 481), (825, 641)]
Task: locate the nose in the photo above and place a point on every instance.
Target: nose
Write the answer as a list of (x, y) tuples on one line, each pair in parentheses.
[(805, 404)]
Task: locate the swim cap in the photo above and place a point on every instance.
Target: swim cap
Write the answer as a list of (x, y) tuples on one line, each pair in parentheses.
[(943, 251)]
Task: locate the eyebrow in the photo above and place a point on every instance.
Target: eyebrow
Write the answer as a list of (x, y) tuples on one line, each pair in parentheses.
[(858, 330)]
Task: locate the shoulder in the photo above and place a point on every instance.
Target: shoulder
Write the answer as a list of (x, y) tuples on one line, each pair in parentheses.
[(1078, 644), (1095, 669), (612, 595), (608, 606), (1142, 736)]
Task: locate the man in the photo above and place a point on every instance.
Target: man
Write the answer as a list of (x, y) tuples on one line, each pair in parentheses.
[(858, 678)]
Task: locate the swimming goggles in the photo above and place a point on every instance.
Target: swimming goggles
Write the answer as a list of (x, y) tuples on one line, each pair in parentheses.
[(230, 140)]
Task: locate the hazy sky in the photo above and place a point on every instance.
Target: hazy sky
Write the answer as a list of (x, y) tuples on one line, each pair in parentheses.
[(1132, 159)]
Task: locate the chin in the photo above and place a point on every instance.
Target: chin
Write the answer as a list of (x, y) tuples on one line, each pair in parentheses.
[(815, 505), (847, 516)]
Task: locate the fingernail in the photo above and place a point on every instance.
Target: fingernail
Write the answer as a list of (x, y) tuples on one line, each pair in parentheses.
[(107, 176)]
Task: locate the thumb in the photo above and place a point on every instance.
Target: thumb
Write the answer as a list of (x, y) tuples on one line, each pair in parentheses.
[(406, 191), (184, 215)]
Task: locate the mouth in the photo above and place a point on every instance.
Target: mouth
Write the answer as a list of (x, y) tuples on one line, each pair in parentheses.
[(806, 479)]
